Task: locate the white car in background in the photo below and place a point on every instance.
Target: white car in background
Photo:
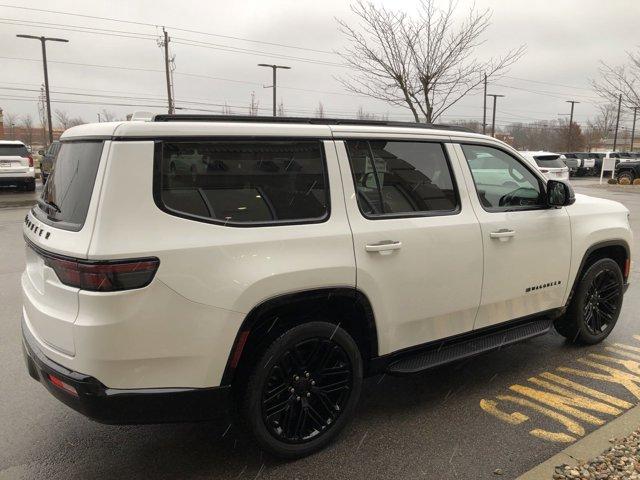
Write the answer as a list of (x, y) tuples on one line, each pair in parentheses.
[(16, 165), (548, 163)]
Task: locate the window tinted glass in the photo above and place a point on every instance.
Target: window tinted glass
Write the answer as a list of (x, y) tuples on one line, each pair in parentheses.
[(396, 177), (502, 182), (13, 151), (245, 181), (70, 185), (549, 161)]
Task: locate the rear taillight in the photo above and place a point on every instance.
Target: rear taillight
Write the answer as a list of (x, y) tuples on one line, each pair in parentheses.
[(56, 382), (30, 160), (104, 276)]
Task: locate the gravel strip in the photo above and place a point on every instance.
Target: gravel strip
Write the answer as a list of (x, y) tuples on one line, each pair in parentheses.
[(620, 461)]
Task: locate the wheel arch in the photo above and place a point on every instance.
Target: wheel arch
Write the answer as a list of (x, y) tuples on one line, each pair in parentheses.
[(617, 250), (349, 308)]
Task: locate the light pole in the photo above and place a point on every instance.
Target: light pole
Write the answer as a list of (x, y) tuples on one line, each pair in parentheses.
[(43, 40), (274, 68), (572, 102), (493, 121), (633, 129)]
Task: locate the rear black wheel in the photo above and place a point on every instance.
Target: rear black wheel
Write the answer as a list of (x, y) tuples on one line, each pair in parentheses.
[(303, 390), (626, 174), (595, 305)]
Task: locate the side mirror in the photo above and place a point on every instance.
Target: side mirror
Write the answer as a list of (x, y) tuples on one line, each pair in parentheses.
[(559, 193)]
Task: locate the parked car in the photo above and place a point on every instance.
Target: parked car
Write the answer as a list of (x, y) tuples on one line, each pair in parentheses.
[(588, 163), (572, 162), (629, 170), (313, 253), (597, 167), (16, 165), (550, 164), (48, 160)]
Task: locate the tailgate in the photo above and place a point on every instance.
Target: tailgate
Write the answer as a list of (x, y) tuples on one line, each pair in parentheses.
[(13, 164), (64, 231)]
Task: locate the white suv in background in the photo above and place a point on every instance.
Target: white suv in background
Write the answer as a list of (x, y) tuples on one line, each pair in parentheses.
[(296, 258), (550, 164), (16, 165)]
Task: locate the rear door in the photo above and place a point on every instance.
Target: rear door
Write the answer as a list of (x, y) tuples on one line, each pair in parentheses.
[(14, 158), (61, 223), (417, 241), (527, 246)]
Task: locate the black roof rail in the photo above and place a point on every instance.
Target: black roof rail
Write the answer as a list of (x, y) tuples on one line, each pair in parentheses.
[(187, 117)]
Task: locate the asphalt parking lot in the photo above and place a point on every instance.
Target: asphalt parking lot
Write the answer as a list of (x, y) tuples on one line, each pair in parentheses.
[(457, 422)]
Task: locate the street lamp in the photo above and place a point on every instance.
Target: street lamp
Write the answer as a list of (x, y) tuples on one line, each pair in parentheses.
[(493, 121), (43, 40), (274, 68)]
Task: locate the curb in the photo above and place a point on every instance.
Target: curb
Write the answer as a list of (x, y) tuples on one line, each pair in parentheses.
[(588, 447)]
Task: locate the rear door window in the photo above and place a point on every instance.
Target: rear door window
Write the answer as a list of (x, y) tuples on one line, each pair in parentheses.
[(401, 178), (67, 193), (244, 182), (549, 161)]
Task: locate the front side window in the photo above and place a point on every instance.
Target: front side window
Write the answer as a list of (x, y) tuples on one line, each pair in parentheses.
[(401, 177), (245, 181), (502, 182)]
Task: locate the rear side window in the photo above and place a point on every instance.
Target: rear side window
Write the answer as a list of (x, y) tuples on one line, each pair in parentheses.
[(244, 182), (13, 151), (401, 178), (67, 193)]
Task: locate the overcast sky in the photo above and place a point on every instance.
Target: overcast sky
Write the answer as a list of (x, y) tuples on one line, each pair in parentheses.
[(565, 40)]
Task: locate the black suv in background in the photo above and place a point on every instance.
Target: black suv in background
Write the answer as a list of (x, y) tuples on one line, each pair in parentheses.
[(629, 169), (48, 160)]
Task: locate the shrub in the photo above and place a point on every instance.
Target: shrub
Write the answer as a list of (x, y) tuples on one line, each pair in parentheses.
[(612, 181), (624, 181)]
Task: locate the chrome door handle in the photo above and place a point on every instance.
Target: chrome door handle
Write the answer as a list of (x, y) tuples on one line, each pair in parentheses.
[(384, 247), (503, 234)]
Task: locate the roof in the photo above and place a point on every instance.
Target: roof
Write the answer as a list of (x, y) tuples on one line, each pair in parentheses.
[(220, 125), (11, 142)]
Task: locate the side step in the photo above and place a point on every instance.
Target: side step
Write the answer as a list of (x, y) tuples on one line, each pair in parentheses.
[(441, 353)]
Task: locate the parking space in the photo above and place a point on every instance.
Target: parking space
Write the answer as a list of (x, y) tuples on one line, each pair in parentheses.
[(498, 414)]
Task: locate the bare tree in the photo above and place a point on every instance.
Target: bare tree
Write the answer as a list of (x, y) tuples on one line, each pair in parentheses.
[(362, 114), (281, 110), (10, 123), (27, 127), (66, 121), (425, 63), (620, 79), (226, 109), (253, 106), (320, 110), (107, 116)]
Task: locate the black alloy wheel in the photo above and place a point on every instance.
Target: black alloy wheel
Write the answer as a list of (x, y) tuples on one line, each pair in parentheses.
[(595, 305), (601, 302), (303, 389)]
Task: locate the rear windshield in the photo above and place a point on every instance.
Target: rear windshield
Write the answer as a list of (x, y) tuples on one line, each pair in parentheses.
[(13, 151), (549, 161), (67, 193)]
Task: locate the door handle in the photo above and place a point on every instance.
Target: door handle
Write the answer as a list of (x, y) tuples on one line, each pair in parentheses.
[(384, 247), (503, 234)]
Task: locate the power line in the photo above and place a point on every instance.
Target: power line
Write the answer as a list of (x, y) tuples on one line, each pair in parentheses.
[(231, 37)]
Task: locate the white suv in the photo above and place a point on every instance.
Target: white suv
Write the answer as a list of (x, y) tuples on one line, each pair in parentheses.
[(16, 165), (295, 258)]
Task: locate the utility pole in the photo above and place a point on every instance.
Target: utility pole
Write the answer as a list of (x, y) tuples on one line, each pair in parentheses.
[(43, 40), (493, 121), (572, 102), (98, 118), (274, 68), (615, 135), (633, 128), (167, 69), (484, 107)]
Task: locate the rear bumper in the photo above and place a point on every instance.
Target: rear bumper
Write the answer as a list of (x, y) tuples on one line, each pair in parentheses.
[(124, 406), (15, 178)]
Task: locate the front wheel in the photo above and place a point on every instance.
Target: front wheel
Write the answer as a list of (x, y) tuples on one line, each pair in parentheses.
[(595, 305), (628, 175), (303, 389)]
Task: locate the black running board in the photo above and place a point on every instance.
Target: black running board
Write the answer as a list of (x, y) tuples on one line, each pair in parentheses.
[(440, 353)]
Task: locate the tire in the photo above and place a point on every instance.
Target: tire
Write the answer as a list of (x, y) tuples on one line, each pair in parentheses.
[(626, 174), (302, 390), (595, 306)]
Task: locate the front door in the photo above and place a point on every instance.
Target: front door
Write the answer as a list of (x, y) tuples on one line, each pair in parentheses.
[(527, 246), (416, 239)]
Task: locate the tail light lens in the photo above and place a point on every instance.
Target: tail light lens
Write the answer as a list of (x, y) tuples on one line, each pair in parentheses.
[(107, 276), (30, 160)]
